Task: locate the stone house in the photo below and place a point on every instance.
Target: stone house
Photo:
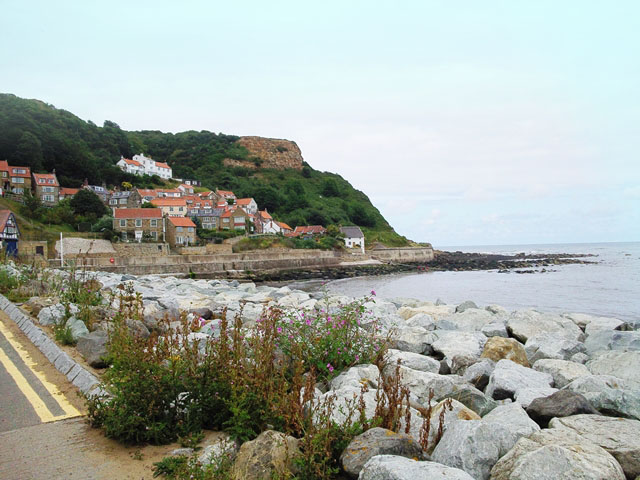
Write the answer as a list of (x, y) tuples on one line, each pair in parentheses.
[(19, 180), (172, 207), (46, 188), (209, 217), (100, 190), (127, 199), (353, 237), (139, 224), (181, 231), (4, 177), (235, 219), (147, 194)]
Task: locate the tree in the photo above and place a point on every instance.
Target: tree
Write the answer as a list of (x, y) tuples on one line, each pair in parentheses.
[(127, 185), (88, 204), (330, 188), (32, 205), (148, 205), (29, 152)]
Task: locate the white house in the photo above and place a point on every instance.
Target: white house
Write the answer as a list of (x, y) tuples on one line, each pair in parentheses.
[(265, 223), (353, 237), (141, 165), (249, 205)]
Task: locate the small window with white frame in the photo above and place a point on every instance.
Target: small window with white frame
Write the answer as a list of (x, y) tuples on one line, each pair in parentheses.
[(138, 222)]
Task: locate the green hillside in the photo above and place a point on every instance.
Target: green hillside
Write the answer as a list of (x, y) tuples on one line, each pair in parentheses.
[(38, 135)]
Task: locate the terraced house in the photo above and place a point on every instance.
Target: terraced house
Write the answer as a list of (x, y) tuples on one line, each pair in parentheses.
[(209, 218), (138, 224), (172, 207), (46, 188), (181, 231), (19, 180)]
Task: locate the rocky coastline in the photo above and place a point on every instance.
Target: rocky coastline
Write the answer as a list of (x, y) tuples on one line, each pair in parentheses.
[(507, 394), (443, 262)]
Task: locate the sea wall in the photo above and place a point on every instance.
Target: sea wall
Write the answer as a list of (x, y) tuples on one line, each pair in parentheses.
[(400, 255)]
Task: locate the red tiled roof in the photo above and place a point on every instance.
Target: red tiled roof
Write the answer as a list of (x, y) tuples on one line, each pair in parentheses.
[(4, 166), (12, 172), (162, 165), (4, 216), (147, 192), (225, 193), (132, 162), (64, 191), (181, 222), (264, 214), (137, 213), (284, 225), (43, 179), (309, 229), (243, 201), (169, 202)]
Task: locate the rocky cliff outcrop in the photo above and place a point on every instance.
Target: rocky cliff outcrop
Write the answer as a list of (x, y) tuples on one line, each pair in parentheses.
[(272, 152)]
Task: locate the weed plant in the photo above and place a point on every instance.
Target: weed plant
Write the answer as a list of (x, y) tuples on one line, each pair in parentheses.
[(243, 381)]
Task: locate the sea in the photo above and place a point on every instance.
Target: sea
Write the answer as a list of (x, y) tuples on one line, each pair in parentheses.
[(610, 287)]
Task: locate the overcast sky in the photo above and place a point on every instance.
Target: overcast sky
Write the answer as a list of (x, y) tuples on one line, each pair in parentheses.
[(466, 123)]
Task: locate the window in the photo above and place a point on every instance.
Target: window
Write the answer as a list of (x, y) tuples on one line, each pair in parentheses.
[(18, 190), (113, 201), (171, 209), (123, 223), (17, 179), (190, 229), (123, 201), (48, 189), (154, 222), (154, 235), (19, 170), (47, 198), (178, 229), (138, 222), (50, 181)]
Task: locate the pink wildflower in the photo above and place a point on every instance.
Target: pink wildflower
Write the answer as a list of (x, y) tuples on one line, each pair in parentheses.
[(330, 367), (373, 292)]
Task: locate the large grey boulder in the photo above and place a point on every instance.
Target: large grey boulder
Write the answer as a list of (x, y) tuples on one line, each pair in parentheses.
[(473, 398), (599, 324), (624, 365), (495, 329), (551, 345), (525, 396), (224, 446), (422, 320), (469, 320), (562, 371), (356, 377), (609, 394), (563, 403), (77, 327), (422, 383), (415, 361), (377, 441), (345, 400), (465, 306), (476, 445), (508, 377), (612, 340), (93, 348), (556, 455), (392, 467), (55, 313), (412, 339), (451, 343), (618, 436), (525, 324), (479, 373)]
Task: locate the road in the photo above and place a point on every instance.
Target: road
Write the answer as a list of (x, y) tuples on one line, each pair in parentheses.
[(43, 431)]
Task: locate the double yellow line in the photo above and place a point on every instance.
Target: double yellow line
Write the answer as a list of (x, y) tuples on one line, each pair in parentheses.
[(34, 399)]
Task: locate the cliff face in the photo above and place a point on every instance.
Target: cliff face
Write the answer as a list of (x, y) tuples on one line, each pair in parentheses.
[(273, 152)]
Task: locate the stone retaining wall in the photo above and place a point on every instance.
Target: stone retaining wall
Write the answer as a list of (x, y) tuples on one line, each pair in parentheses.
[(141, 249), (400, 255)]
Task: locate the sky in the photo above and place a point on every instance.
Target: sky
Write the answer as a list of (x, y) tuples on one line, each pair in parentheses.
[(466, 123)]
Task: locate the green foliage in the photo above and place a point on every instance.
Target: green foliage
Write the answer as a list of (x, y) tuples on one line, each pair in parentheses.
[(88, 204), (62, 333), (7, 281), (189, 468), (330, 343), (79, 150)]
